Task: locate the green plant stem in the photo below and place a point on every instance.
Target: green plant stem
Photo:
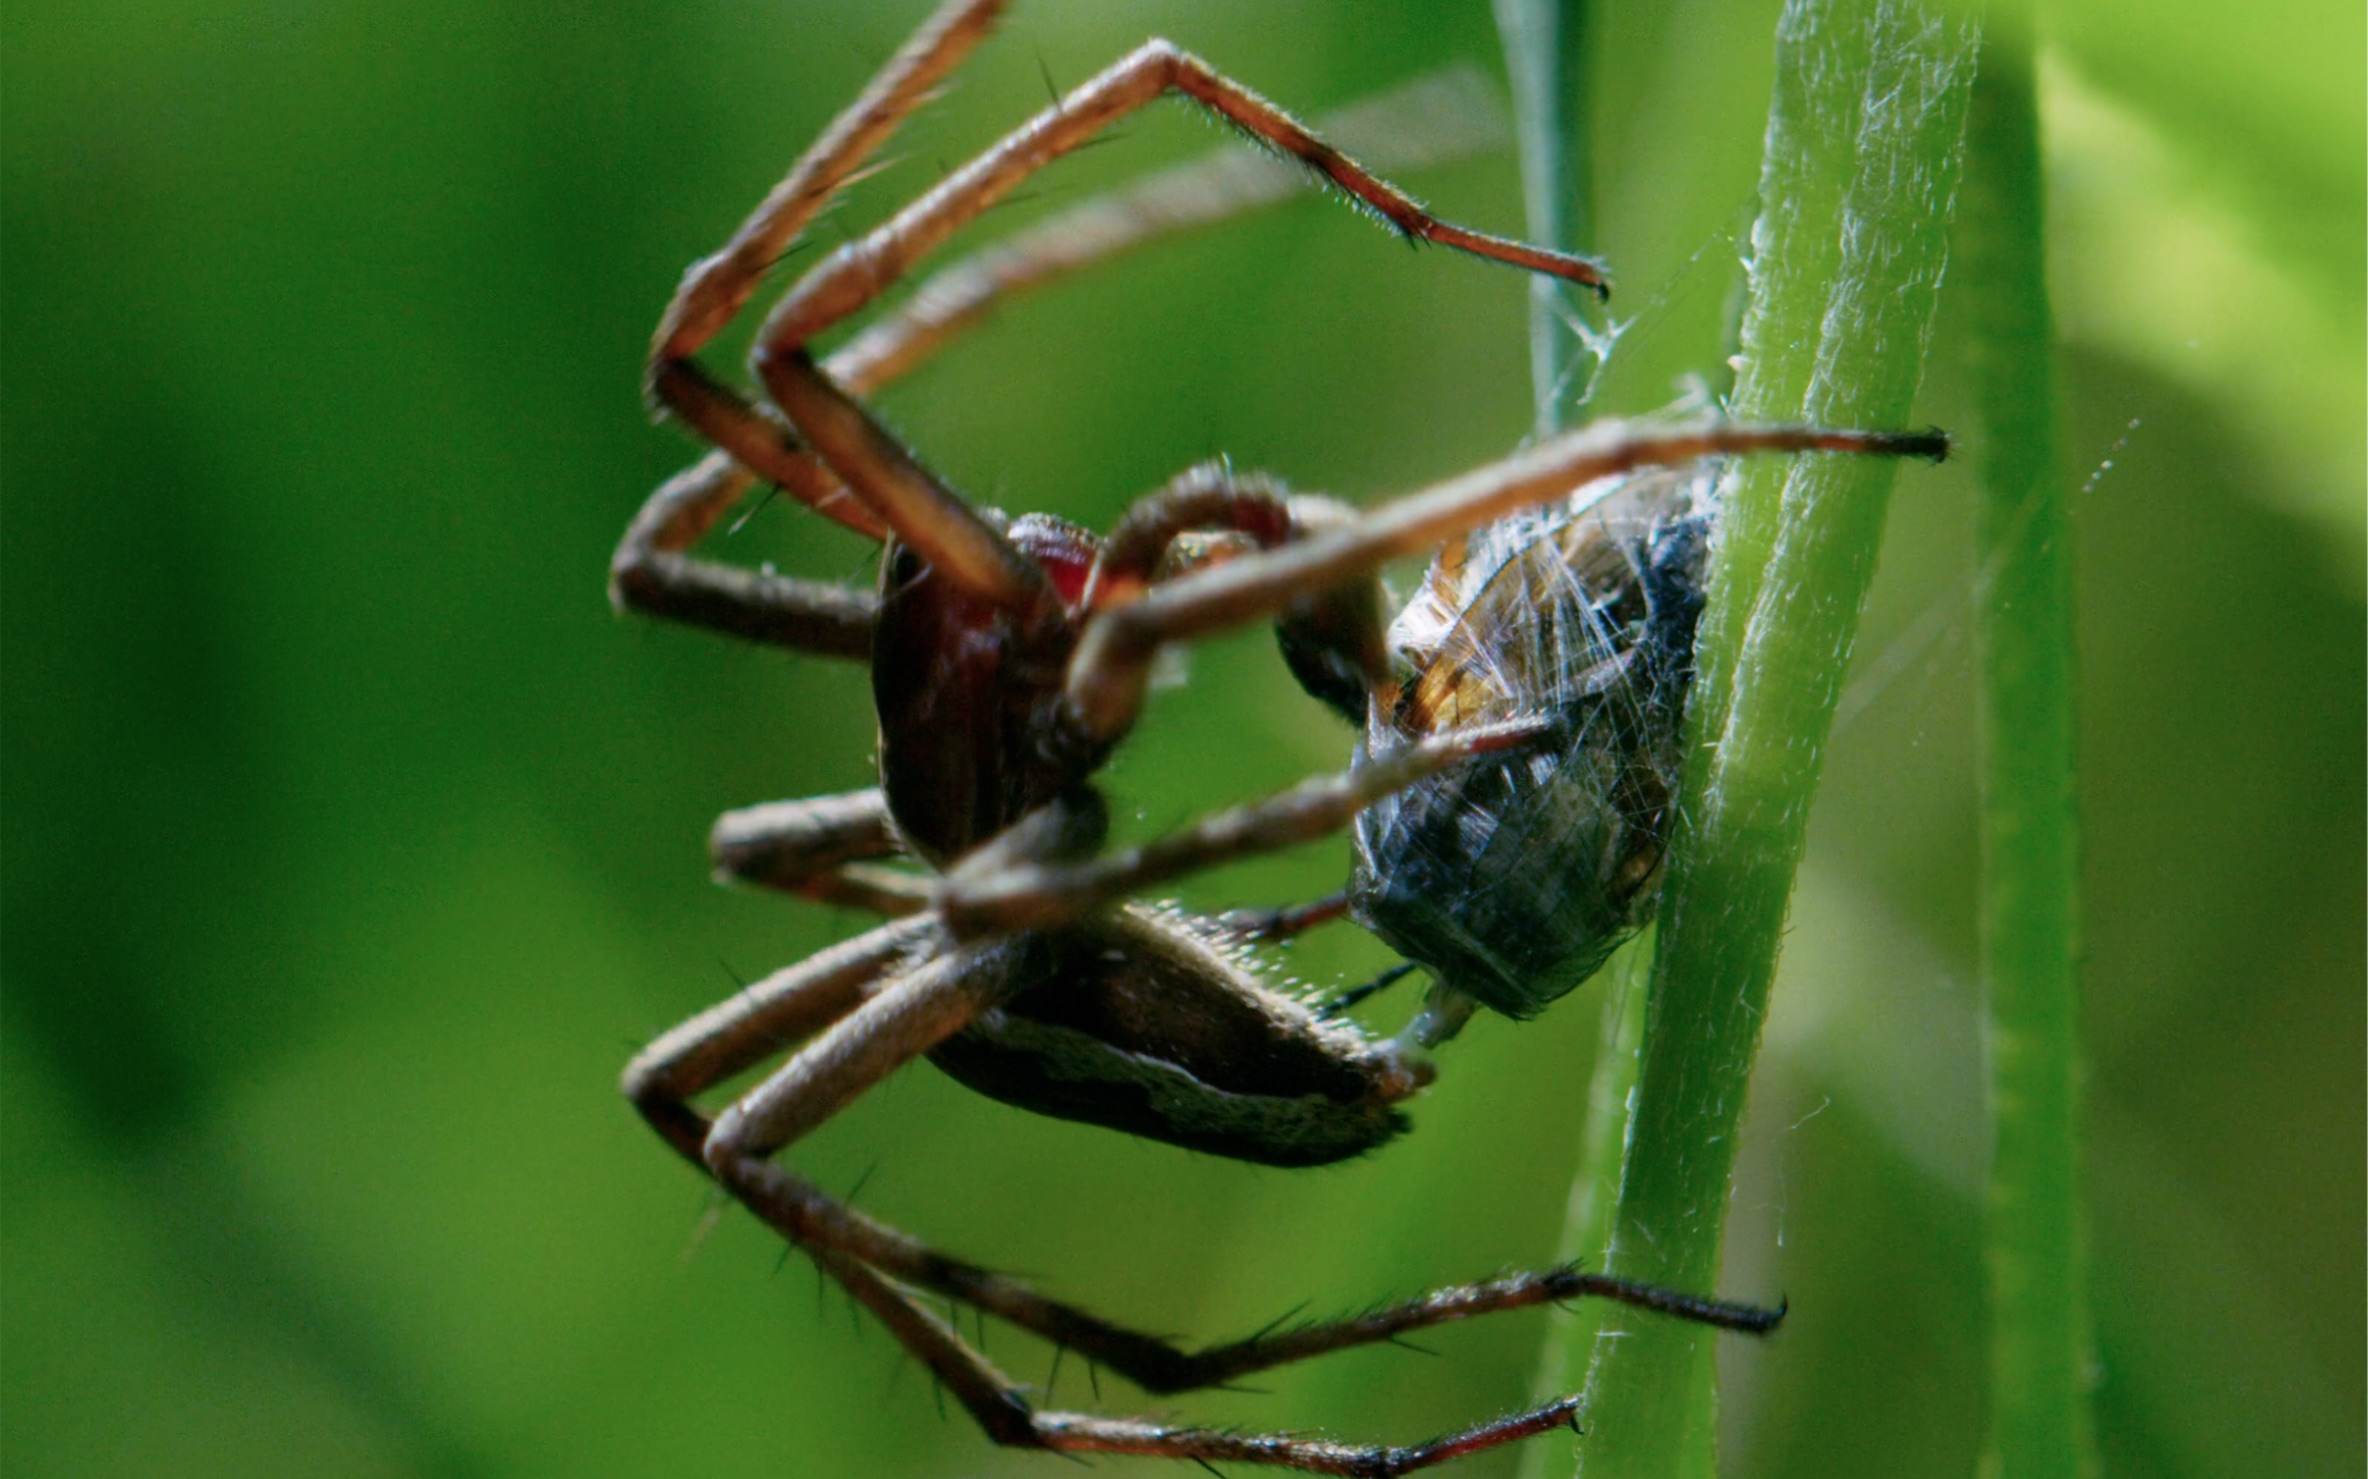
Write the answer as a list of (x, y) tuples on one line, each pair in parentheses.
[(1547, 58), (1865, 140), (1587, 1221), (2030, 828)]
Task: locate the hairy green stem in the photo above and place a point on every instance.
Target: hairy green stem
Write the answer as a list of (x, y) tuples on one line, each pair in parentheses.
[(2030, 826), (1865, 140)]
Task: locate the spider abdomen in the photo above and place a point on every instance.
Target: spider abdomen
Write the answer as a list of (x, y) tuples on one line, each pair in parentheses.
[(1146, 1023)]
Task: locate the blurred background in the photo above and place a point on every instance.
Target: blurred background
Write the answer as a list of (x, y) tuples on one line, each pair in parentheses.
[(352, 844)]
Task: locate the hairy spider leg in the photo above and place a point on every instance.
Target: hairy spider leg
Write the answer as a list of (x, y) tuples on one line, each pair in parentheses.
[(1110, 671), (856, 274), (715, 288), (866, 1007), (1009, 884), (861, 1009), (925, 515), (653, 572), (749, 441), (824, 848), (1445, 115)]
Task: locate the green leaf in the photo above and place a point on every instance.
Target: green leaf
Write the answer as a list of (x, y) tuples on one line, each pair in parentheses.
[(1547, 57), (2040, 1339)]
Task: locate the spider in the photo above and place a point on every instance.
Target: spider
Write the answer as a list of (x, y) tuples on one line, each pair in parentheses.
[(1008, 656)]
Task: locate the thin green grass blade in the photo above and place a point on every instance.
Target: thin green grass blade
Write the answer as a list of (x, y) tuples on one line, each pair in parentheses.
[(1547, 56), (1865, 141), (2040, 1338), (1587, 1222)]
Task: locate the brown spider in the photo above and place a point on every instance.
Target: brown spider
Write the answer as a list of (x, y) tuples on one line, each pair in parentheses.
[(1008, 656)]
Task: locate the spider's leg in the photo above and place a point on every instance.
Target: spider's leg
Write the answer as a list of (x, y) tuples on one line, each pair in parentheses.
[(761, 442), (1432, 120), (822, 847), (761, 1019), (1446, 115), (859, 272), (654, 574), (1010, 884), (1109, 674), (1151, 540), (714, 289), (873, 1028), (812, 1219), (923, 513), (1335, 641), (1214, 1365), (1002, 1409), (829, 991), (927, 515), (837, 448), (869, 1021), (903, 1018), (1287, 922)]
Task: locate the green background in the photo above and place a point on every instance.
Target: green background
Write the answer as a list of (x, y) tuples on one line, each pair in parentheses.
[(351, 845)]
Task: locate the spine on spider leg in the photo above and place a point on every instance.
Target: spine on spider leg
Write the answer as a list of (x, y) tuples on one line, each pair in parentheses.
[(1866, 129)]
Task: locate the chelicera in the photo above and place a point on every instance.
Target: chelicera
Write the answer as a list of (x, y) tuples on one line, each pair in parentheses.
[(1008, 656)]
